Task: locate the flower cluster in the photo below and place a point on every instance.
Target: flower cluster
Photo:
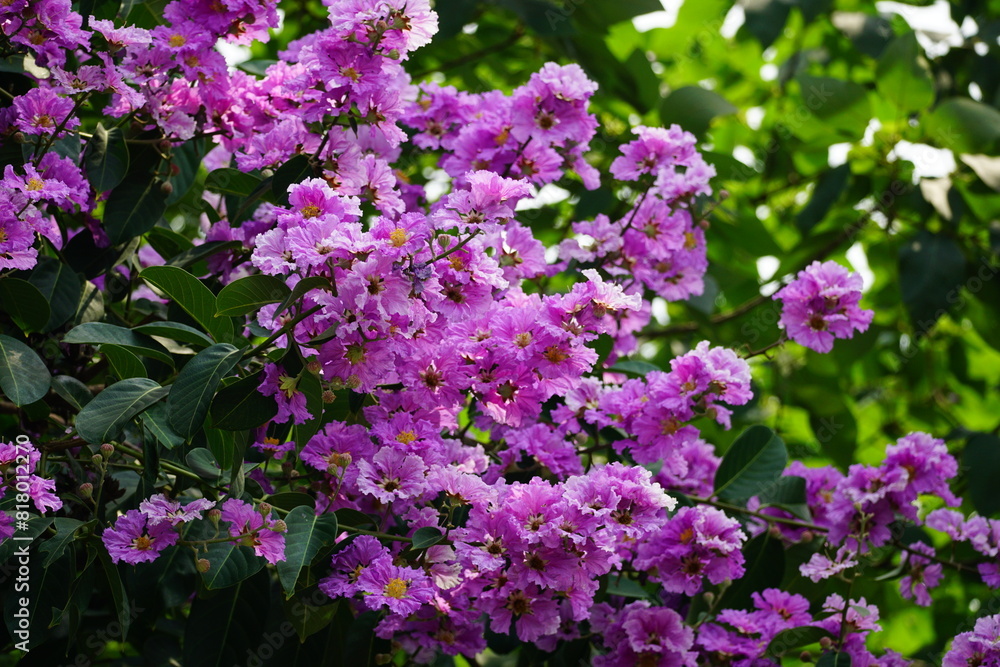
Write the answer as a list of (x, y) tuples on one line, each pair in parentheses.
[(140, 536), (821, 304), (19, 475)]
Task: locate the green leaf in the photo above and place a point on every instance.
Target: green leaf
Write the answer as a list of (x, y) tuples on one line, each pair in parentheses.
[(834, 659), (795, 639), (931, 270), (118, 593), (427, 536), (174, 331), (965, 126), (25, 304), (203, 462), (294, 171), (134, 208), (72, 391), (101, 333), (91, 305), (24, 378), (828, 190), (753, 462), (625, 587), (106, 158), (167, 243), (789, 493), (289, 500), (123, 363), (241, 406), (764, 558), (301, 288), (765, 19), (103, 418), (195, 386), (634, 366), (191, 295), (305, 617), (197, 253), (982, 466), (902, 76), (230, 181), (230, 564), (842, 106), (60, 287), (247, 295), (54, 546), (307, 534), (693, 108), (226, 628), (154, 418)]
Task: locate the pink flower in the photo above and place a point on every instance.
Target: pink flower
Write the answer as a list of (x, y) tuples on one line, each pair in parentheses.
[(137, 539), (254, 530)]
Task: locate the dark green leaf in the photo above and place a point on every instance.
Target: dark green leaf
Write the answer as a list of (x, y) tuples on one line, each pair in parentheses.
[(60, 286), (307, 534), (230, 181), (100, 333), (226, 628), (834, 659), (765, 19), (290, 500), (634, 366), (795, 639), (203, 462), (133, 208), (230, 564), (191, 295), (54, 546), (195, 386), (982, 464), (294, 171), (301, 288), (118, 593), (752, 463), (154, 418), (241, 406), (828, 190), (174, 331), (123, 363), (24, 378), (103, 418), (71, 390), (247, 295), (25, 304), (197, 253), (842, 106), (106, 158), (931, 270), (764, 560), (693, 108), (427, 536)]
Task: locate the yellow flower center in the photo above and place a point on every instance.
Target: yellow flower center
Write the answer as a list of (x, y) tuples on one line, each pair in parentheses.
[(396, 588), (177, 41), (35, 184), (143, 543), (3, 235), (397, 237), (310, 211), (406, 437)]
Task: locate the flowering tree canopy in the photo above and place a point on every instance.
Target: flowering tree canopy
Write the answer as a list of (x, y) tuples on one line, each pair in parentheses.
[(377, 332)]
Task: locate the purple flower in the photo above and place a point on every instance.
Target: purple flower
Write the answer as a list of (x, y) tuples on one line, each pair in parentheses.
[(349, 564), (922, 574), (136, 539), (158, 508), (979, 648), (403, 589), (392, 475), (254, 530), (822, 304), (42, 111)]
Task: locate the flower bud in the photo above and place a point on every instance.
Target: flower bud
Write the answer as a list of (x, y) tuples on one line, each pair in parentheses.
[(97, 459), (329, 396), (166, 188), (279, 526), (825, 642), (203, 565), (107, 449), (314, 366), (86, 490), (264, 508), (807, 536), (353, 382), (709, 597), (806, 656), (214, 515)]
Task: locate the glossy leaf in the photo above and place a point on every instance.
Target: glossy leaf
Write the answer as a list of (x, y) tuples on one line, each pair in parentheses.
[(103, 418), (247, 295), (60, 287), (100, 333), (192, 391), (307, 534), (751, 464), (24, 378), (191, 295), (106, 158), (25, 304), (133, 208), (240, 405)]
